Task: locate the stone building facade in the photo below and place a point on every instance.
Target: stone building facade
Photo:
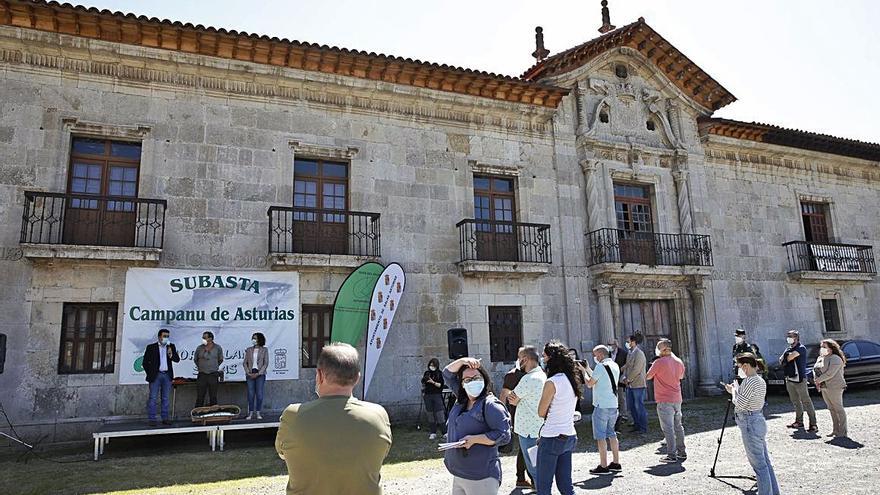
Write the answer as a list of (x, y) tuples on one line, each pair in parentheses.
[(592, 197)]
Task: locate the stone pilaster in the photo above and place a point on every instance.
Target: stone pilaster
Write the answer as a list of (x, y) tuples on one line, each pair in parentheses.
[(683, 195), (706, 382), (606, 317)]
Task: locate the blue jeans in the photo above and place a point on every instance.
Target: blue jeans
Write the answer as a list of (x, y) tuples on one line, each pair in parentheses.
[(162, 384), (754, 434), (524, 444), (554, 459), (635, 398), (255, 393)]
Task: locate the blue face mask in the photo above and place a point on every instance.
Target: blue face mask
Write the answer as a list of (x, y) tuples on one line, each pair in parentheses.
[(474, 388), (165, 340), (542, 363)]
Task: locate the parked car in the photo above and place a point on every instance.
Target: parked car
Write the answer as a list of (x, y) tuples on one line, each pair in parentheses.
[(862, 364)]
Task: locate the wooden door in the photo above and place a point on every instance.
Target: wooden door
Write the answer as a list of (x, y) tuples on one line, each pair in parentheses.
[(815, 220), (494, 201), (320, 185), (655, 319), (635, 223), (102, 168)]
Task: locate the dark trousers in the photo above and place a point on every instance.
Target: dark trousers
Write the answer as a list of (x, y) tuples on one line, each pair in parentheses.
[(207, 383)]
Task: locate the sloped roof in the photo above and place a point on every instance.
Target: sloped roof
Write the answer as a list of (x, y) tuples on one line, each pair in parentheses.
[(685, 74), (184, 37), (794, 138)]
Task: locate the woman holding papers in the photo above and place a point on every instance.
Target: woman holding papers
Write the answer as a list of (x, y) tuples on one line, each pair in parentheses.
[(478, 423)]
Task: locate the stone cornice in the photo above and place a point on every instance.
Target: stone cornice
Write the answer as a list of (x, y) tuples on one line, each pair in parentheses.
[(249, 80), (742, 153)]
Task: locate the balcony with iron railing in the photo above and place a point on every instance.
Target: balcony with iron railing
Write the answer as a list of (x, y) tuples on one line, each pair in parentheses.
[(611, 249), (85, 226), (498, 247), (316, 237), (830, 261)]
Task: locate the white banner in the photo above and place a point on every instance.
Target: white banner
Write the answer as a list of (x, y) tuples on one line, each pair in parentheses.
[(231, 305), (383, 307)]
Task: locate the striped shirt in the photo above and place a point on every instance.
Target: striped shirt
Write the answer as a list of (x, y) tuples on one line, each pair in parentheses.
[(749, 395)]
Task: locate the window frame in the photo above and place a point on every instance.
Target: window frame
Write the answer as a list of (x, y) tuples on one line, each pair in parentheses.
[(497, 331), (111, 310), (630, 201), (811, 219), (321, 179), (494, 194), (836, 312), (106, 161), (306, 359)]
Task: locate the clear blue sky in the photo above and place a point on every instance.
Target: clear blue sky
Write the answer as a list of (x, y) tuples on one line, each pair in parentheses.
[(806, 64)]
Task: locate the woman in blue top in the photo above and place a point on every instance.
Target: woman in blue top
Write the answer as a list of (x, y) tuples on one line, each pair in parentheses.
[(482, 422)]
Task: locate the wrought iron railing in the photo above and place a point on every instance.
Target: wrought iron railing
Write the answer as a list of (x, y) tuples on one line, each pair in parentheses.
[(323, 231), (829, 257), (648, 248), (88, 220), (490, 240)]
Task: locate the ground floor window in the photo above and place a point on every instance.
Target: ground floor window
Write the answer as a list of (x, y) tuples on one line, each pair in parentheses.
[(831, 315), (316, 322), (88, 338), (505, 333)]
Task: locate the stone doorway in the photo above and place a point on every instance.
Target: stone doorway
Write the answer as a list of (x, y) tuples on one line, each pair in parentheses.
[(655, 319)]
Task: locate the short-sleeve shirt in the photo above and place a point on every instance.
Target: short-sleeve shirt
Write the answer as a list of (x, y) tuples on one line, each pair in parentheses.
[(527, 422), (603, 392), (334, 445), (667, 373)]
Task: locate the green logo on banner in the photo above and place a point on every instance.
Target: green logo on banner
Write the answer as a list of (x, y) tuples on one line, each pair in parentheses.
[(351, 311), (139, 364)]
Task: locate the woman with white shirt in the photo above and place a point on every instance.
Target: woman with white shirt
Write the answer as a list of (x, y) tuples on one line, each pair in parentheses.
[(256, 361), (558, 438), (748, 401)]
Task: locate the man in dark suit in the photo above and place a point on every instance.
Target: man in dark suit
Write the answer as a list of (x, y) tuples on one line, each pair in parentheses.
[(158, 364), (618, 355)]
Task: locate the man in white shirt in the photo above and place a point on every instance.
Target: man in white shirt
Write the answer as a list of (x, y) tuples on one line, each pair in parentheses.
[(603, 381), (526, 397)]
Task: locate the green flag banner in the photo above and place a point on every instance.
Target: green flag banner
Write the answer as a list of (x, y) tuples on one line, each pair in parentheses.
[(351, 311)]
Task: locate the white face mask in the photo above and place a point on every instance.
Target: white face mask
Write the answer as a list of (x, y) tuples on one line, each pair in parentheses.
[(254, 341), (657, 351), (474, 388), (432, 368), (204, 341), (824, 351), (741, 373), (628, 345), (739, 340), (790, 340), (165, 340), (597, 360)]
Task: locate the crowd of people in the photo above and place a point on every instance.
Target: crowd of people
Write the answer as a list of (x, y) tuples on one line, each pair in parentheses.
[(337, 443)]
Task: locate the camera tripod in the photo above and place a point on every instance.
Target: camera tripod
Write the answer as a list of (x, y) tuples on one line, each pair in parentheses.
[(718, 450)]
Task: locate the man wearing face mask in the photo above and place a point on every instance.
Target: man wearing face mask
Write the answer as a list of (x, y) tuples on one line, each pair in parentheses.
[(603, 380), (335, 444), (158, 365), (208, 358), (794, 365), (526, 397), (667, 372), (636, 385), (511, 380), (742, 346)]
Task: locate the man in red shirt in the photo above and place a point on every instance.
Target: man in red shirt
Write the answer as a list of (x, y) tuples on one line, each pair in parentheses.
[(667, 373)]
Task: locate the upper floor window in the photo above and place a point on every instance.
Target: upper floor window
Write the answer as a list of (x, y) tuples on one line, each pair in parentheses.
[(505, 332), (320, 186), (632, 205), (815, 218), (495, 204), (831, 315)]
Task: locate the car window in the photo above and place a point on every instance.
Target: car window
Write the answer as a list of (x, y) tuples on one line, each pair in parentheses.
[(812, 353), (850, 351), (868, 349)]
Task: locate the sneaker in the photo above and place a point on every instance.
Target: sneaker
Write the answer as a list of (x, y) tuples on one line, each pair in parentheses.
[(681, 456), (668, 459), (258, 415), (523, 484), (445, 436), (795, 425), (614, 467), (600, 470), (432, 436), (813, 428)]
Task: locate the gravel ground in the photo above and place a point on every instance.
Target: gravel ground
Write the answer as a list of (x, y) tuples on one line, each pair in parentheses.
[(802, 462)]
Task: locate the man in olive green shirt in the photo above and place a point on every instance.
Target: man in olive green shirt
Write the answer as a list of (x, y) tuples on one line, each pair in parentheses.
[(334, 445)]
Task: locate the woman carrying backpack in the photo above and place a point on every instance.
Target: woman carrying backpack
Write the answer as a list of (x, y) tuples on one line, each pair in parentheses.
[(481, 422)]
